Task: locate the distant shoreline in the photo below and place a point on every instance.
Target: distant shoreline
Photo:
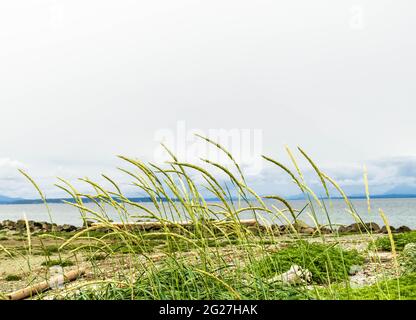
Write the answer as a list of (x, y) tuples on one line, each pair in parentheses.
[(145, 200)]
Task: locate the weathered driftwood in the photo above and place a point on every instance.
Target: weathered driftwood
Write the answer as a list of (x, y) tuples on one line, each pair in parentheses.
[(40, 287), (155, 225)]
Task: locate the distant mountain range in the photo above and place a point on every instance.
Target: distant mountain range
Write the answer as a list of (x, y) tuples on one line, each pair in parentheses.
[(361, 196), (403, 191), (7, 200)]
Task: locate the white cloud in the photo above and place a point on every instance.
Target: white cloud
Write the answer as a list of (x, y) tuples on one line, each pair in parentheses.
[(9, 176), (384, 175), (83, 81)]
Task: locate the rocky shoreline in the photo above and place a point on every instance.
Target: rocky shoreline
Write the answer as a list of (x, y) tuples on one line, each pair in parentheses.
[(36, 227), (300, 227), (354, 228)]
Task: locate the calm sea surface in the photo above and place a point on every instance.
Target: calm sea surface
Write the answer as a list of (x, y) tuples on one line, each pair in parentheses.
[(399, 212)]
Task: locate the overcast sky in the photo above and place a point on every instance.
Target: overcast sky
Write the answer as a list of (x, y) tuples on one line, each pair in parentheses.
[(84, 80)]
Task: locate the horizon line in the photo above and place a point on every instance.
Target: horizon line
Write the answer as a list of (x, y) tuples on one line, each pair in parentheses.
[(148, 199)]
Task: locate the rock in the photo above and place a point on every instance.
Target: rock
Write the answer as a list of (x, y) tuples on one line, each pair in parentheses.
[(34, 226), (57, 228), (299, 225), (37, 225), (354, 269), (325, 230), (372, 226), (20, 225), (342, 229), (89, 223), (402, 229), (275, 228), (359, 228), (355, 228), (258, 229), (384, 229), (8, 224), (295, 275), (284, 229), (279, 230), (46, 227), (352, 228), (308, 230), (68, 228)]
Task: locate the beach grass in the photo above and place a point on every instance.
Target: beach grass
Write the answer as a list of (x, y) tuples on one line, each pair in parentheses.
[(400, 241), (215, 256)]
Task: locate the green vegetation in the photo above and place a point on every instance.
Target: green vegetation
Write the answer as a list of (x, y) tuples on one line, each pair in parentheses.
[(178, 281), (62, 263), (328, 263), (402, 288), (400, 240), (13, 277)]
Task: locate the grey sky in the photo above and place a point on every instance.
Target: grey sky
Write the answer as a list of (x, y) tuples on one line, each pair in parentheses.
[(82, 81)]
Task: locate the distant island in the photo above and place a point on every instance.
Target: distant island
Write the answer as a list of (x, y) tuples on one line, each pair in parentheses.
[(7, 200)]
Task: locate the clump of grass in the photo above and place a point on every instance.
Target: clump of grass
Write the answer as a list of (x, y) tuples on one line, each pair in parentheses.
[(62, 263), (402, 288), (180, 281), (400, 240), (13, 277), (3, 238), (327, 263)]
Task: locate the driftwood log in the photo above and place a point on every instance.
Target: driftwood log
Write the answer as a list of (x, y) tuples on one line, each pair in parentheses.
[(40, 287), (155, 225)]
